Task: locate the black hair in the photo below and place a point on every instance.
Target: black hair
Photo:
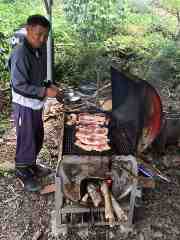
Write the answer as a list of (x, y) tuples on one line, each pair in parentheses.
[(38, 20)]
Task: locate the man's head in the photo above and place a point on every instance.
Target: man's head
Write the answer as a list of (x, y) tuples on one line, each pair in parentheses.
[(37, 27)]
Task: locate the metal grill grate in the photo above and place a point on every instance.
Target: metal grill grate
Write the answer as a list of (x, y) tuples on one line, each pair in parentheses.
[(121, 141), (70, 148)]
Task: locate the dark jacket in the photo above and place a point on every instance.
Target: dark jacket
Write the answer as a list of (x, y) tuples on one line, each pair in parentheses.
[(28, 71)]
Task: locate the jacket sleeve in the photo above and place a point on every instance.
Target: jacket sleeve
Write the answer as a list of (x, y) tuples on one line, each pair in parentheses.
[(20, 80)]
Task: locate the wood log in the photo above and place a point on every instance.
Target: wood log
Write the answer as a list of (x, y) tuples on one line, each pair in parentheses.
[(117, 209), (108, 203), (95, 196)]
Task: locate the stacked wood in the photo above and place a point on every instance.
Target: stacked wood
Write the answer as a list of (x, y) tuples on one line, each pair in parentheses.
[(52, 109), (100, 194), (3, 100), (53, 112)]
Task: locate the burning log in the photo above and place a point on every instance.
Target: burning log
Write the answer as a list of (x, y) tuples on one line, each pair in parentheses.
[(85, 198), (95, 196)]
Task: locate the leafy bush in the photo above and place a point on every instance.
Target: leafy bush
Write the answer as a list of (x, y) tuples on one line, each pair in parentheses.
[(4, 50), (93, 19), (165, 66), (85, 32), (77, 62), (13, 13)]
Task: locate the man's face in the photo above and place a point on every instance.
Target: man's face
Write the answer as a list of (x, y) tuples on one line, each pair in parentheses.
[(37, 35)]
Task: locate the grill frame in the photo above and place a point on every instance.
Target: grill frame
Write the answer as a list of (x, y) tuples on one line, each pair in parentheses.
[(62, 208)]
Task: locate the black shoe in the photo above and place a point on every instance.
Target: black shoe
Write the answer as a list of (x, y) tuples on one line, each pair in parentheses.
[(40, 170), (26, 178)]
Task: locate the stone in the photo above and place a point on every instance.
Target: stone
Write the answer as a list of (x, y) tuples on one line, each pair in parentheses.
[(7, 166), (158, 234)]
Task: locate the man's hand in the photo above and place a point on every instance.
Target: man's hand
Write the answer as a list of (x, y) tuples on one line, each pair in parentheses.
[(53, 91)]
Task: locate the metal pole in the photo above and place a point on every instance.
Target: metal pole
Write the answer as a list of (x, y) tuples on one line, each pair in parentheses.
[(49, 43)]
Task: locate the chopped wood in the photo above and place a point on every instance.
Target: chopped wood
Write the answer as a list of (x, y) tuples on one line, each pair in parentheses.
[(107, 203), (106, 105), (117, 209)]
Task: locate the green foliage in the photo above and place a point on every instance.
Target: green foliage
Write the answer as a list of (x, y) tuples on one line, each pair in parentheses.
[(168, 64), (14, 13), (77, 62), (63, 31), (93, 19), (172, 5), (4, 50), (87, 30), (164, 67), (140, 6), (144, 46), (131, 31), (6, 173)]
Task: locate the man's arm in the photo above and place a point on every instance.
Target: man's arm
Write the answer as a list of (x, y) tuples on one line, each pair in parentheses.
[(20, 69)]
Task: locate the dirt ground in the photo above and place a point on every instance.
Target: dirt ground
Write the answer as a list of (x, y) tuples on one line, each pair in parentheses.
[(28, 216)]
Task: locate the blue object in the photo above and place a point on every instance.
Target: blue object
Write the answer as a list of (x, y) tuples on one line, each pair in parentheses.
[(144, 171)]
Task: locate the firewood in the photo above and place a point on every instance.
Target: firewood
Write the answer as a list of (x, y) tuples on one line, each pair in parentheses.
[(108, 203), (118, 210), (95, 196)]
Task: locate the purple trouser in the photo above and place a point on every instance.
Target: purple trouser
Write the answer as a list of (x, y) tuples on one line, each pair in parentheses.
[(29, 132)]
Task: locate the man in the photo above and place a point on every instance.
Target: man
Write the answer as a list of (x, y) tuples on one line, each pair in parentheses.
[(28, 72)]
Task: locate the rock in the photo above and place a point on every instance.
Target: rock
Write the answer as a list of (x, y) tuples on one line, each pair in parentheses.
[(141, 236), (7, 166), (166, 161), (157, 225), (147, 233), (175, 160), (37, 235), (158, 234)]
